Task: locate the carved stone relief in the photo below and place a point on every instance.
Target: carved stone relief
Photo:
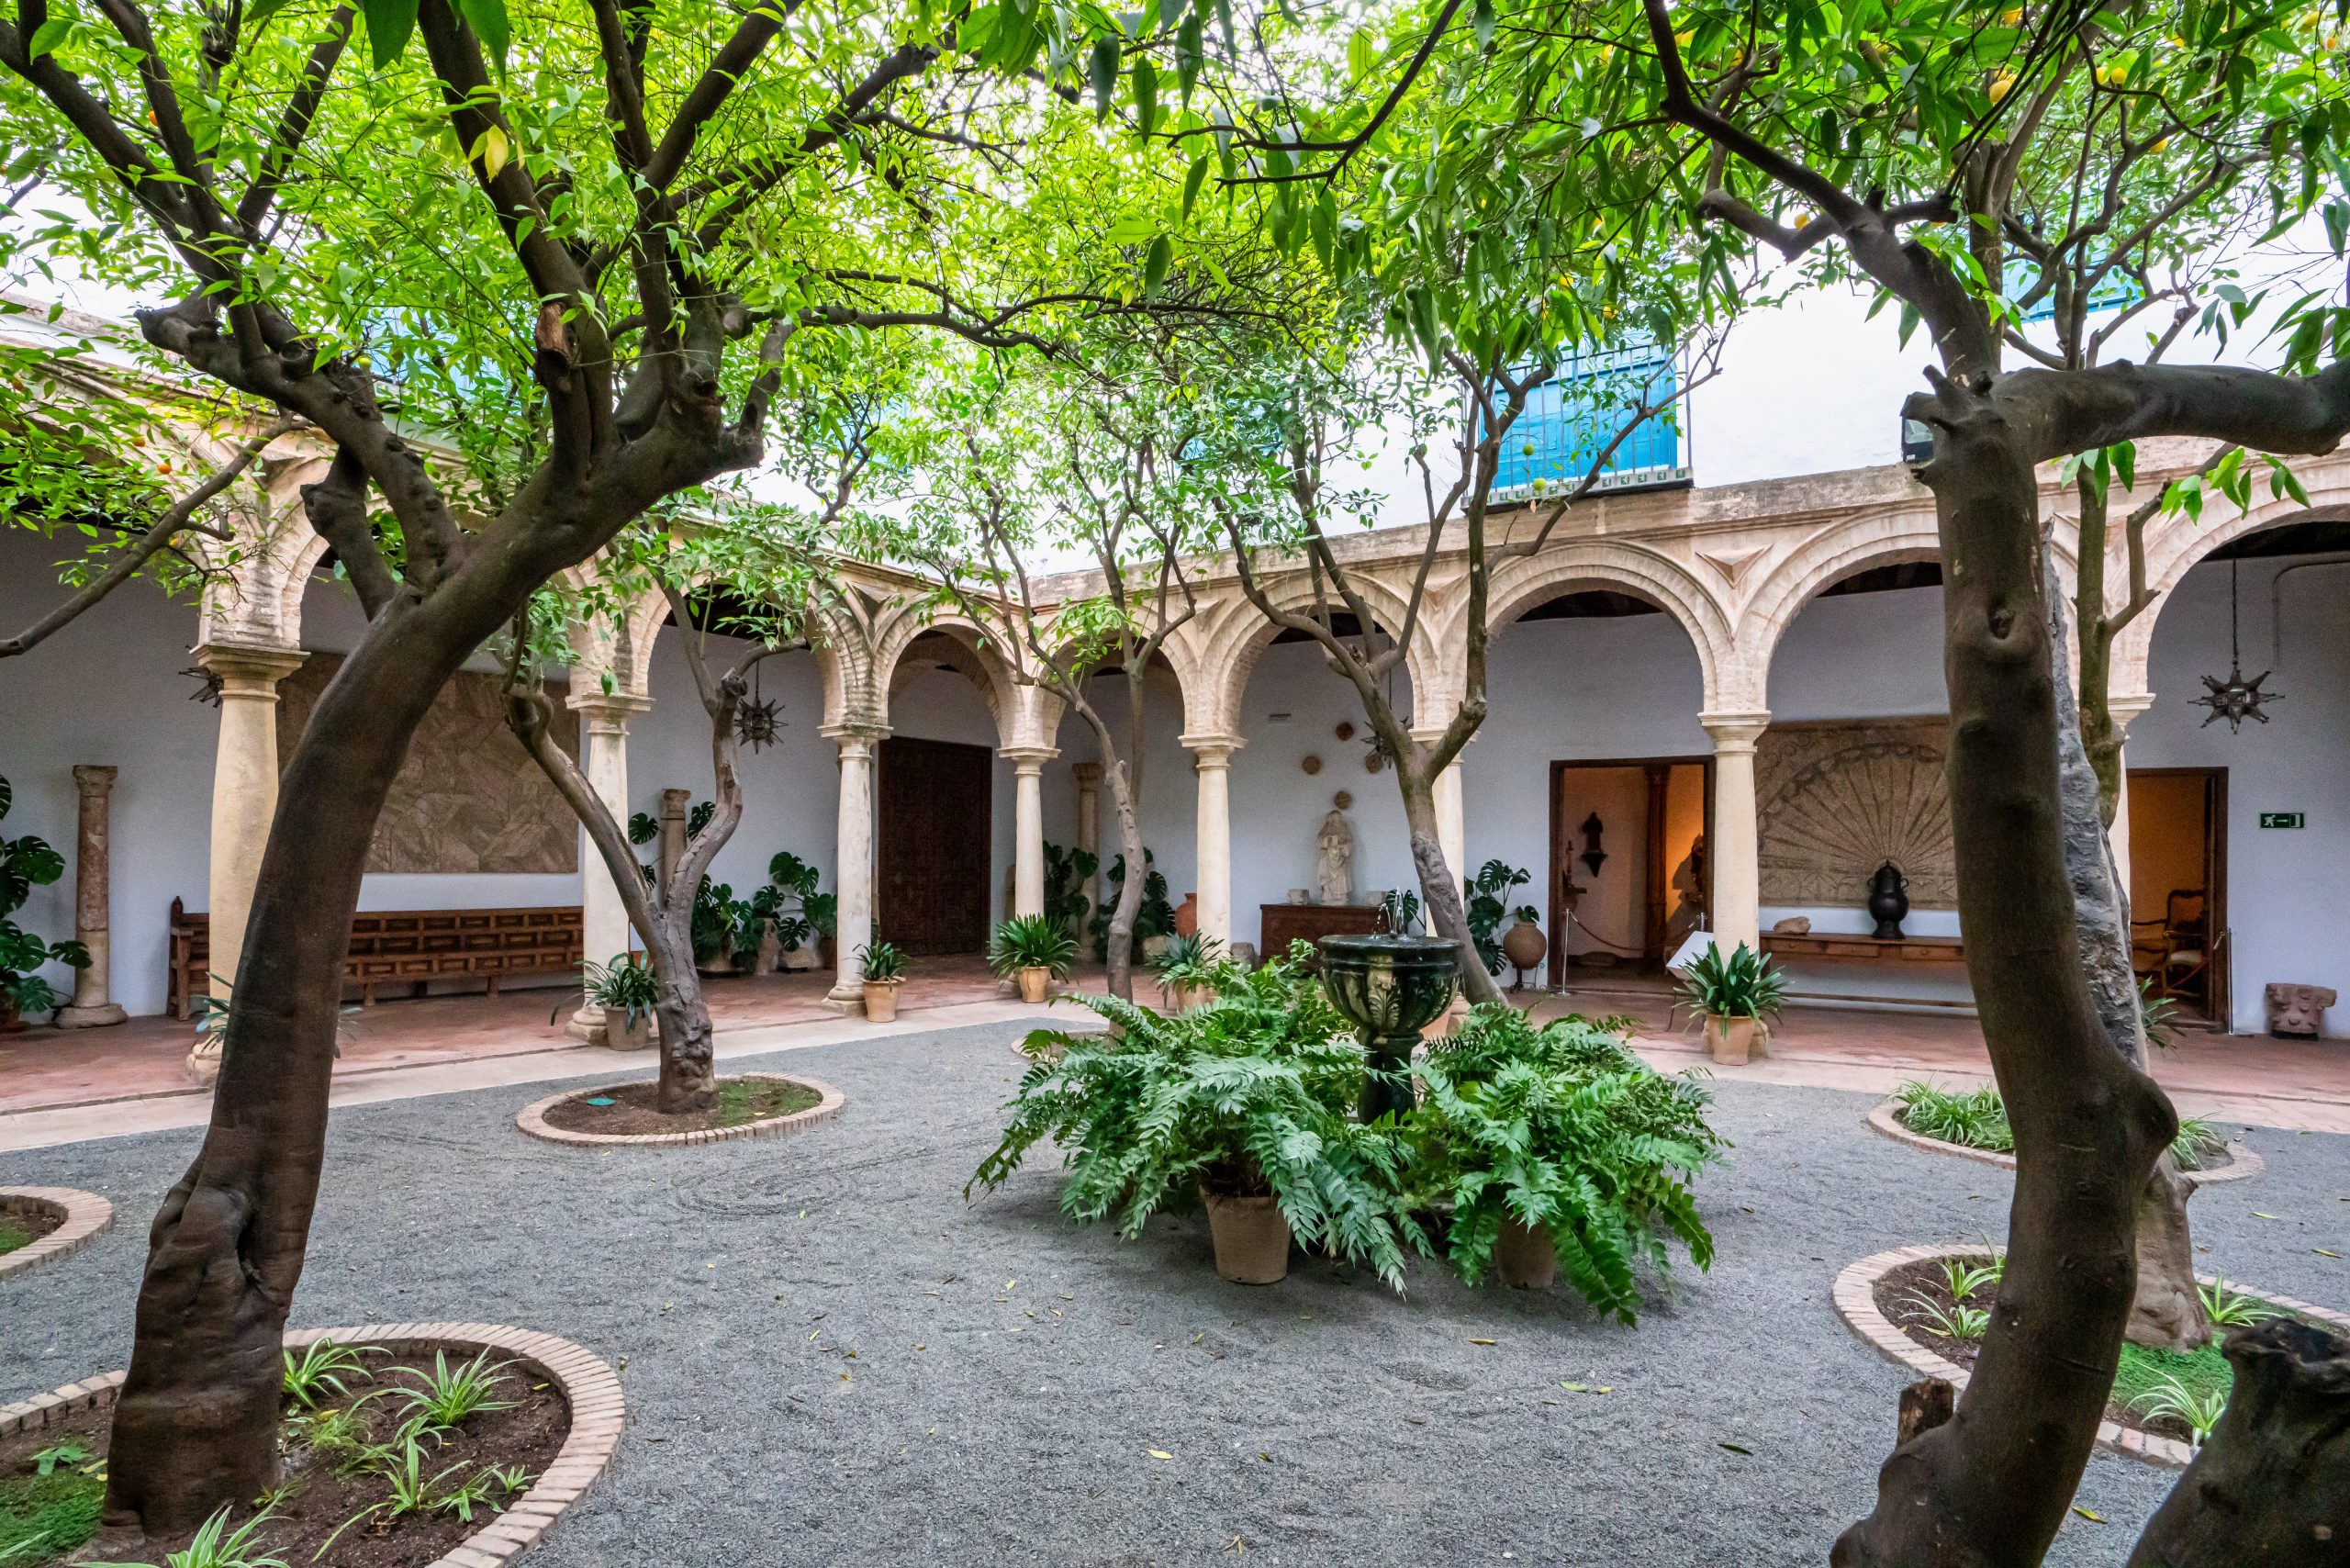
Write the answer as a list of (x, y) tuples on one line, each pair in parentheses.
[(1836, 800), (467, 799)]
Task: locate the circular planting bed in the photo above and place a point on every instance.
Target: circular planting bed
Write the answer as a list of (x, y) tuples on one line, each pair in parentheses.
[(38, 1225), (490, 1433), (2227, 1162), (757, 1104), (1914, 1305)]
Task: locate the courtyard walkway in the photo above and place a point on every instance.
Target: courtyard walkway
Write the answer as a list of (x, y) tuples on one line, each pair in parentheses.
[(829, 1357)]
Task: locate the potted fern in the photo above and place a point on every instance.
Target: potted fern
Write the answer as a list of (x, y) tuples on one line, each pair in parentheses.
[(1037, 948), (1186, 971), (626, 990), (885, 970), (1734, 998), (1557, 1146), (1240, 1104)]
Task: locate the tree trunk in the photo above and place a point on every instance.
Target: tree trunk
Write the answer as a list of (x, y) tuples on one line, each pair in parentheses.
[(1989, 1488), (688, 1082), (197, 1423), (1438, 891), (1118, 951), (2268, 1488), (2167, 1311)]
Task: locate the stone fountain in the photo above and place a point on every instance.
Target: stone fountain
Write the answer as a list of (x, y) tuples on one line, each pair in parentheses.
[(1389, 988)]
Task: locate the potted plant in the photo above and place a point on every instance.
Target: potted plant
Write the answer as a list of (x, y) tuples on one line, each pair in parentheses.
[(1186, 971), (1487, 890), (719, 917), (1240, 1104), (1154, 921), (1035, 948), (626, 990), (885, 970), (1557, 1147), (25, 864), (1734, 998)]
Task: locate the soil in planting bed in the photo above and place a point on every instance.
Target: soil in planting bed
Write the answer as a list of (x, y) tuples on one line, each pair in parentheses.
[(633, 1108), (338, 1463), (21, 1225), (1912, 1294)]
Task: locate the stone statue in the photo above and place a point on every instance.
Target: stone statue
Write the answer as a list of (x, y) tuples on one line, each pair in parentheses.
[(1689, 882), (2295, 1011), (1333, 858)]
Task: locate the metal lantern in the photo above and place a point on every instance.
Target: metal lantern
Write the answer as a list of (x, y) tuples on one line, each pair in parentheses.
[(2235, 698)]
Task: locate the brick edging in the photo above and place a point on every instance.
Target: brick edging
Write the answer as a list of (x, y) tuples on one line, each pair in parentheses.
[(80, 1215), (533, 1119), (589, 1387), (1886, 1119), (1855, 1295)]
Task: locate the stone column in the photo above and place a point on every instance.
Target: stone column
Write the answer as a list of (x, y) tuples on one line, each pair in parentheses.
[(2125, 707), (672, 842), (1089, 826), (1212, 764), (1028, 827), (94, 1004), (244, 789), (1732, 849), (603, 745), (853, 927)]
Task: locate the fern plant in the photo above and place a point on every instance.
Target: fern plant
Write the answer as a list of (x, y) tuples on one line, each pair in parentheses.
[(1189, 961), (1247, 1094), (1031, 942), (1564, 1128)]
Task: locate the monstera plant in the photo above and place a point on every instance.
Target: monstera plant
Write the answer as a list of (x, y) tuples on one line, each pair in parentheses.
[(25, 864)]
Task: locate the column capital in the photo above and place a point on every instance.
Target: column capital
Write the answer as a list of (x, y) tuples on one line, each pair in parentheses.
[(1028, 758), (93, 777), (843, 735), (1735, 731), (609, 707), (1086, 774), (2126, 706), (1212, 748), (249, 663)]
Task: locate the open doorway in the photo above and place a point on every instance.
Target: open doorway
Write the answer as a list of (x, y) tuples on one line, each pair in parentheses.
[(2178, 888), (1629, 875)]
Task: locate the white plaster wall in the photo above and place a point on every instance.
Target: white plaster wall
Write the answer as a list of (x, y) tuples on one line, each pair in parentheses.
[(2284, 885), (104, 691)]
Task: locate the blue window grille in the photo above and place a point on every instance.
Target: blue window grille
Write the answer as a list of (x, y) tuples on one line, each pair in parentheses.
[(1568, 419)]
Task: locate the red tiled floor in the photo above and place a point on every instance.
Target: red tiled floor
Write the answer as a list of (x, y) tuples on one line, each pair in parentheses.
[(2275, 1082)]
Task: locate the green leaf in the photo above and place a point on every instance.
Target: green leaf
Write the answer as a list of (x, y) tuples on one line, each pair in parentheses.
[(1482, 19), (389, 23), (1146, 78), (1154, 267), (1192, 181), (487, 19), (48, 35), (1105, 75)]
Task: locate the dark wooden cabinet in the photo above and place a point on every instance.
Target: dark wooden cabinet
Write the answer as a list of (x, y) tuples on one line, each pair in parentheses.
[(1278, 924), (935, 831), (408, 947)]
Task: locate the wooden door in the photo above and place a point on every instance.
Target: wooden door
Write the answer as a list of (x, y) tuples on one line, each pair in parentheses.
[(935, 829)]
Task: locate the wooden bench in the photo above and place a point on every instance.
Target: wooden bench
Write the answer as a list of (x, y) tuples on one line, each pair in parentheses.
[(409, 947), (1858, 946)]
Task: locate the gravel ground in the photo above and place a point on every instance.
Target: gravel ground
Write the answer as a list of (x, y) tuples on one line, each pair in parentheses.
[(830, 1359)]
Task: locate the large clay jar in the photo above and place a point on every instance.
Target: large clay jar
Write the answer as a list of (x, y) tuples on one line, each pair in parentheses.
[(1524, 1258), (1389, 988), (1525, 946), (1251, 1239), (1036, 983), (1730, 1041), (1187, 915)]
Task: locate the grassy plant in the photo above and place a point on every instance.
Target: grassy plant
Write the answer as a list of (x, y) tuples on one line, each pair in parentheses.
[(218, 1546), (1560, 1127), (1249, 1093), (319, 1373), (2232, 1309), (2198, 1409), (1189, 961), (448, 1394), (511, 1478), (2184, 1386), (1974, 1118), (2157, 1015), (1958, 1321), (337, 1436), (69, 1454), (409, 1490), (623, 984), (882, 961), (2198, 1143), (1744, 985), (1031, 942), (49, 1513), (472, 1493), (1964, 1277), (13, 1237)]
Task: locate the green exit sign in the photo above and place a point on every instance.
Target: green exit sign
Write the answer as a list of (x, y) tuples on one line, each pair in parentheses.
[(2280, 819)]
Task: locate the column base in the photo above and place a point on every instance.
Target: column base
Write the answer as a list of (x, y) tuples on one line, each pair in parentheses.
[(847, 1001), (204, 1062), (96, 1017), (587, 1024)]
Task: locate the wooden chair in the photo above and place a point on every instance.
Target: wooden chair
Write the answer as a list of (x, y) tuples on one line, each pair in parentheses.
[(2175, 951)]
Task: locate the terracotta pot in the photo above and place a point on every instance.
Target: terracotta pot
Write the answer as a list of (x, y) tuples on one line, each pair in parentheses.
[(11, 1020), (1036, 983), (1524, 1258), (1730, 1041), (1187, 915), (1525, 946), (882, 1000), (1251, 1239), (828, 950), (622, 1035)]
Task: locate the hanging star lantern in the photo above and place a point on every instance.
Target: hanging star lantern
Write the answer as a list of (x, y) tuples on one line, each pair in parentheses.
[(755, 724), (2235, 698)]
